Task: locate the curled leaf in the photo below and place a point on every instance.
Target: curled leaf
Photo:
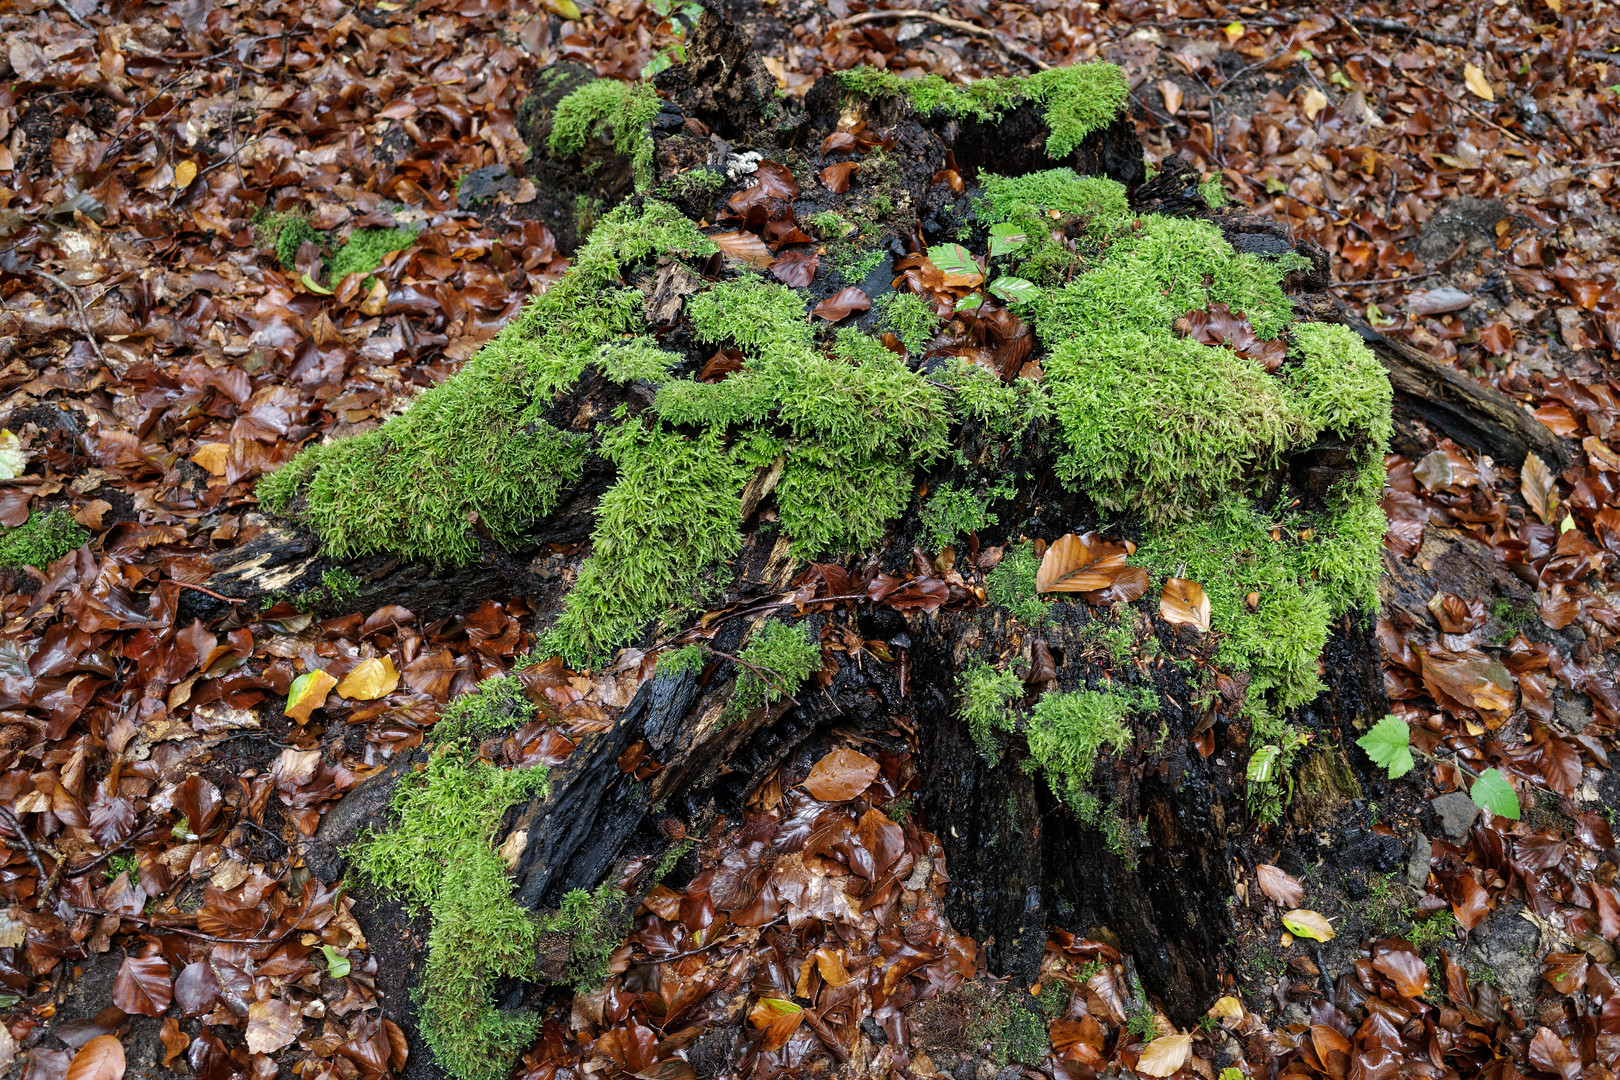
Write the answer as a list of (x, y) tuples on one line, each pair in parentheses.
[(1184, 603), (1165, 1055), (1305, 923), (1279, 885), (842, 774), (1081, 563), (841, 304)]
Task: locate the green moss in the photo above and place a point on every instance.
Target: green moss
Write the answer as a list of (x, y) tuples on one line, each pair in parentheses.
[(1074, 100), (283, 232), (41, 540), (688, 658), (1068, 733), (672, 518), (696, 185), (596, 922), (1213, 194), (616, 111), (1001, 408), (1022, 1038), (439, 858), (909, 317), (951, 512), (784, 656), (476, 447), (829, 225), (364, 251), (637, 360), (1011, 585), (987, 696), (497, 704), (854, 263), (1100, 202)]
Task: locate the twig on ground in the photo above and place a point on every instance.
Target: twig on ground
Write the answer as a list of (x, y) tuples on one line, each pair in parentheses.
[(209, 592), (29, 850), (74, 15), (1382, 280), (944, 20), (84, 318)]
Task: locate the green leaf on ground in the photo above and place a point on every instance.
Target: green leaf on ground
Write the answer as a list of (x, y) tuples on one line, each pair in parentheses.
[(1389, 744), (1493, 792)]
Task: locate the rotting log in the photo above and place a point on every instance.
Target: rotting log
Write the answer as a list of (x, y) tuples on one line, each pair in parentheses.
[(1017, 855)]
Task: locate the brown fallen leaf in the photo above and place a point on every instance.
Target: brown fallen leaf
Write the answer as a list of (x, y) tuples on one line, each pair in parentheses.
[(1536, 485), (745, 247), (1080, 563), (795, 268), (1184, 603), (102, 1058), (271, 1025), (842, 774), (841, 304), (835, 177), (1279, 885)]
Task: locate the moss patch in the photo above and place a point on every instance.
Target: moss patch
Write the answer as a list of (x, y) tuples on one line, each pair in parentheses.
[(987, 695), (41, 540), (779, 658), (618, 112), (1068, 733), (1074, 100), (364, 250)]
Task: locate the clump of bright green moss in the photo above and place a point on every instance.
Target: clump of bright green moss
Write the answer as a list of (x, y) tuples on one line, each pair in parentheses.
[(777, 660), (616, 111), (364, 250), (987, 696), (283, 232), (953, 511), (1011, 584), (41, 540), (909, 317), (1074, 100), (1067, 734), (439, 858)]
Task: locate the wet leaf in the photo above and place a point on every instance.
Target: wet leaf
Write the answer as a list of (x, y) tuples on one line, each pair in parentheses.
[(1279, 885), (13, 458), (174, 1040), (271, 1025), (1006, 238), (1081, 563), (778, 1017), (143, 985), (1405, 969), (1389, 744), (842, 774), (1305, 923), (1438, 301), (184, 174), (370, 679), (1537, 487), (308, 693), (841, 304), (102, 1058), (1184, 603), (1493, 792), (336, 966), (1014, 290), (957, 264), (835, 177), (795, 268), (745, 247), (1165, 1055)]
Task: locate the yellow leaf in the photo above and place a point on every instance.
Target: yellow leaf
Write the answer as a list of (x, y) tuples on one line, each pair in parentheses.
[(1475, 78), (308, 693), (376, 300), (1184, 603), (566, 8), (1165, 1055), (371, 679), (1233, 32), (1306, 923), (211, 456), (184, 174), (1227, 1006), (1315, 101), (1557, 6)]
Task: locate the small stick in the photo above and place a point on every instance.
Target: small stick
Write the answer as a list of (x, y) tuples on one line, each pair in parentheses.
[(944, 20), (84, 319), (209, 592), (29, 850), (74, 15)]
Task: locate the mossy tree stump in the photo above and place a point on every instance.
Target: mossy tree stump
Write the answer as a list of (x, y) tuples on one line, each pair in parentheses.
[(678, 416)]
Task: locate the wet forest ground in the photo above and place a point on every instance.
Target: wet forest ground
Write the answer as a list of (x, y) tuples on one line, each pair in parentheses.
[(166, 898)]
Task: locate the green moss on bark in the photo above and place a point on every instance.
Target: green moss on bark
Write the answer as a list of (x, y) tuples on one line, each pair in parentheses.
[(41, 540), (617, 112)]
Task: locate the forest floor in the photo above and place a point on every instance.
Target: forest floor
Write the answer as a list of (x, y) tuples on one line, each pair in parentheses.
[(1457, 161)]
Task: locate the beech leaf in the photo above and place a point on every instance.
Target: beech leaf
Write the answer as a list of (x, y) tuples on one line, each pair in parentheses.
[(1389, 744), (1305, 923), (1080, 563), (795, 268), (1184, 603), (1165, 1055), (1536, 485), (835, 177), (1475, 78), (370, 679), (102, 1058), (745, 247), (1493, 792), (143, 985), (1279, 885), (842, 774), (308, 693), (271, 1025), (841, 304), (1006, 238)]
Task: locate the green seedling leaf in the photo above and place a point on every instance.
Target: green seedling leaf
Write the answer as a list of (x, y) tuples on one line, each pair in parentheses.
[(336, 966), (1493, 792), (1005, 238), (952, 259), (972, 300), (315, 287), (1263, 765), (1389, 744), (1014, 290)]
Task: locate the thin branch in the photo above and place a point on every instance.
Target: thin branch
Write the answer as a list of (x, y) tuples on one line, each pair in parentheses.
[(888, 14), (207, 592), (28, 849), (84, 318), (1382, 280), (74, 15)]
